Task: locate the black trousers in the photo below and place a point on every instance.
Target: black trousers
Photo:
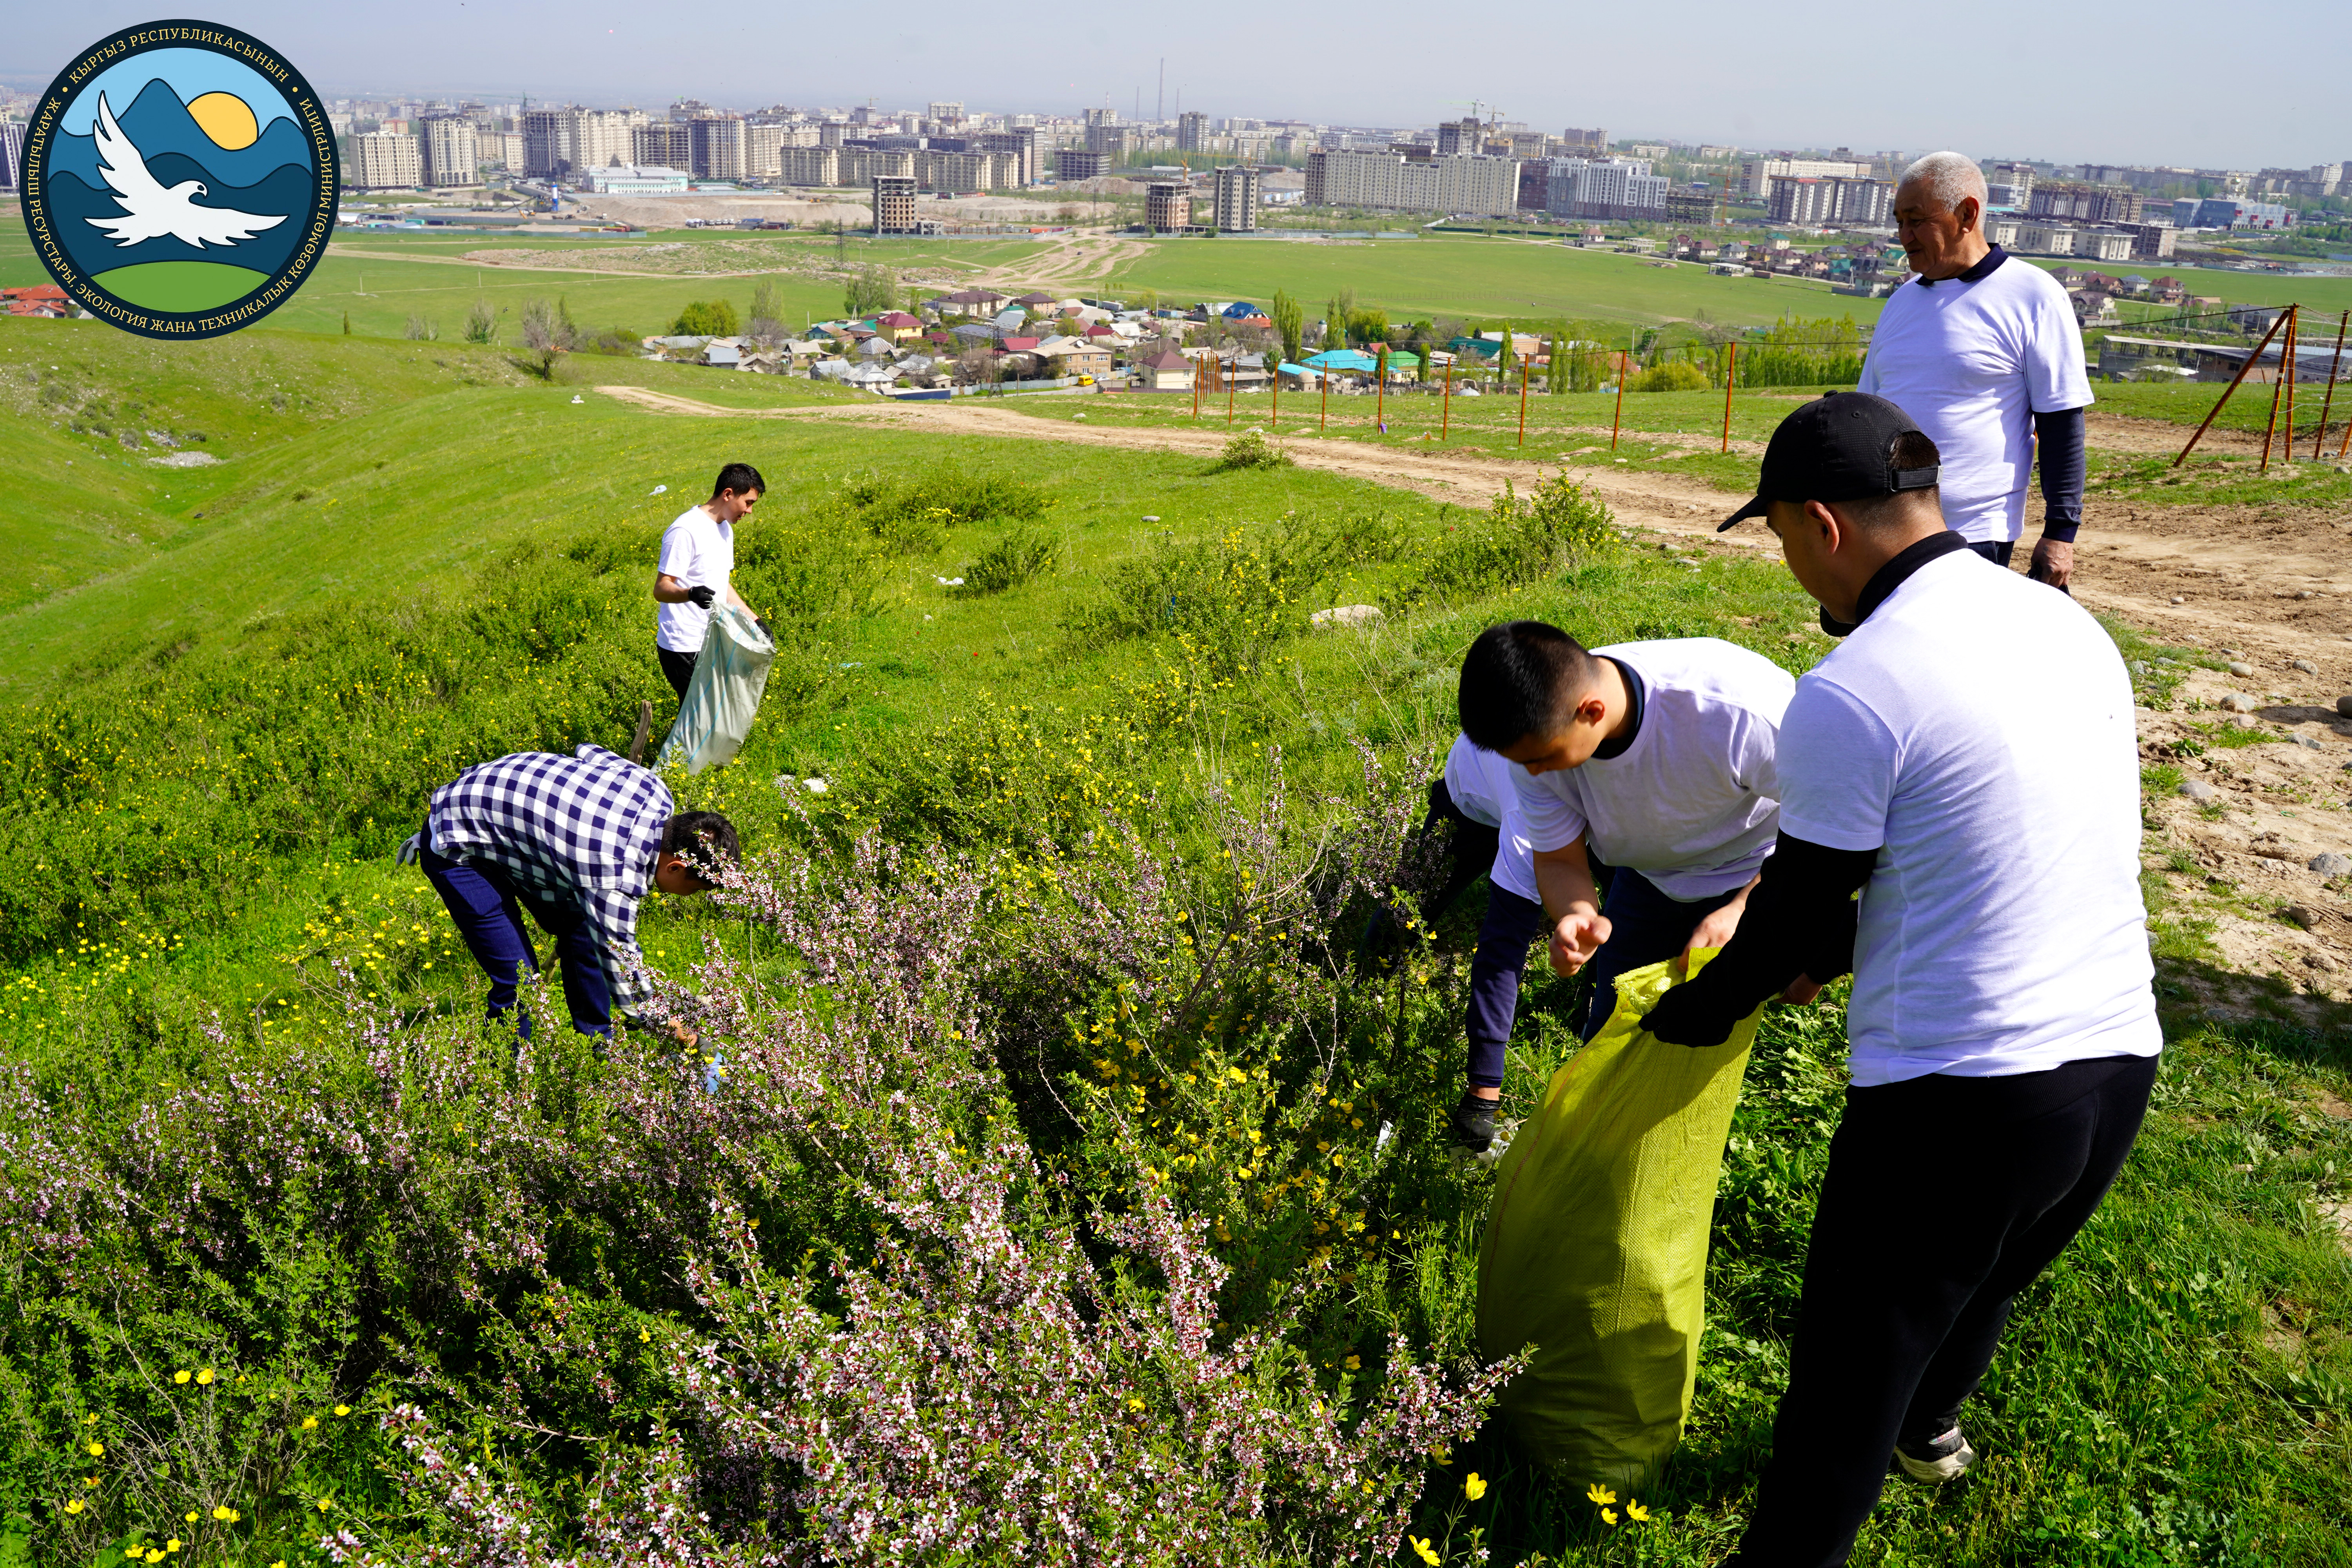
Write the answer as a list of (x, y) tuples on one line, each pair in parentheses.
[(677, 669), (1945, 1198)]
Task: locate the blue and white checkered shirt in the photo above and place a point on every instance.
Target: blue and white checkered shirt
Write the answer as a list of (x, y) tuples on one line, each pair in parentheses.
[(587, 827)]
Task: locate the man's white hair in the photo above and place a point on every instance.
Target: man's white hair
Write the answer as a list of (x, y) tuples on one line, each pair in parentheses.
[(1948, 177)]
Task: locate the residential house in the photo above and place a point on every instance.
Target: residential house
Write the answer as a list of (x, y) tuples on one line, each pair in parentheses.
[(899, 325), (1074, 356), (1165, 372)]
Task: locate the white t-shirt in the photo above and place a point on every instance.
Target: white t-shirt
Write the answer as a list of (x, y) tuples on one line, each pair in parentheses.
[(1977, 730), (1480, 783), (1973, 363), (700, 551), (1692, 804)]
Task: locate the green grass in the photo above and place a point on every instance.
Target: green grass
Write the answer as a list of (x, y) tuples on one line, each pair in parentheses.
[(1491, 279), (221, 733), (180, 285)]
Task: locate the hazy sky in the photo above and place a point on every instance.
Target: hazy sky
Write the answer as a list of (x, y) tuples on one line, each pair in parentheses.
[(2261, 82)]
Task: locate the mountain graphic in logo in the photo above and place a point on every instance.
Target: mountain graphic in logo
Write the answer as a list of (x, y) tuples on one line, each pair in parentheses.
[(180, 180)]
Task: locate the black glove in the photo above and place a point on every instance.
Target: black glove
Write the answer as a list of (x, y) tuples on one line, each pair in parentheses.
[(700, 597), (1685, 1016), (764, 628)]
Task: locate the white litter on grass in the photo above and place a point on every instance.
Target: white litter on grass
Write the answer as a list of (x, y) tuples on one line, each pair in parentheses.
[(184, 460), (815, 787), (577, 398), (927, 618), (947, 582), (1388, 1131), (657, 489)]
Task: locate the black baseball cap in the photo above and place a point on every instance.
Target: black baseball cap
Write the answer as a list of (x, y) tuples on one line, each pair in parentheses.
[(1836, 448)]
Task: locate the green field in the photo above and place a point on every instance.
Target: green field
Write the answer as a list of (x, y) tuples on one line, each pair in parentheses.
[(1457, 277), (180, 285), (1070, 932)]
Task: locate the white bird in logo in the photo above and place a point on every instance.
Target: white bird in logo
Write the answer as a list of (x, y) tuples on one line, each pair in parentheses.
[(152, 211)]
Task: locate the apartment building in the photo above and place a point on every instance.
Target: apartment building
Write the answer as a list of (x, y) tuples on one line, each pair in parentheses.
[(863, 165), (559, 142), (718, 145), (386, 161), (2086, 203), (894, 204), (1191, 131), (450, 151), (1459, 136), (1591, 143), (1803, 199), (663, 144), (1166, 205), (1021, 143), (1757, 174), (1236, 199), (808, 165), (1618, 188), (1074, 163), (1471, 183)]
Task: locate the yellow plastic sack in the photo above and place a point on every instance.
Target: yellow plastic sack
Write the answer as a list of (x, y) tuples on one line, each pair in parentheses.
[(723, 695), (1595, 1251)]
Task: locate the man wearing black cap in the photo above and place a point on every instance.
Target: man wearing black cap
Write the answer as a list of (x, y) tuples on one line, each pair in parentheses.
[(1965, 760)]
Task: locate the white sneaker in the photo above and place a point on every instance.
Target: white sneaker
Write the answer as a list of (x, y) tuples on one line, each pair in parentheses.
[(1942, 1460)]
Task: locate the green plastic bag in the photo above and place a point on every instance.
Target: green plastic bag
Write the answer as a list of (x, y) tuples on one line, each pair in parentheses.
[(1595, 1251)]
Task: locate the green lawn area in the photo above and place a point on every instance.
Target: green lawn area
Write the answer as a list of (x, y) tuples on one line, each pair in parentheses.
[(1460, 276)]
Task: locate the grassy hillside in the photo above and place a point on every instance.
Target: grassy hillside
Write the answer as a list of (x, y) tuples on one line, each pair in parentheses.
[(1053, 995)]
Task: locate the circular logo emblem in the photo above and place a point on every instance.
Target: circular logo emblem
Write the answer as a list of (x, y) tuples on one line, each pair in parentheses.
[(179, 180)]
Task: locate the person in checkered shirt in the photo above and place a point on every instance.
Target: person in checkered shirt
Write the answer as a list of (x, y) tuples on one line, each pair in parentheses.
[(578, 841)]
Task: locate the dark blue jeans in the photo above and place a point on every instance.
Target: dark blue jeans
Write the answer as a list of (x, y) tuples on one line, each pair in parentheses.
[(488, 905), (1512, 923), (1645, 926)]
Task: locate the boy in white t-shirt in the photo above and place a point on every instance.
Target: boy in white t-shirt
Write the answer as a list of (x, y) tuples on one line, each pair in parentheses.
[(1476, 805), (698, 555), (1965, 760), (1645, 774)]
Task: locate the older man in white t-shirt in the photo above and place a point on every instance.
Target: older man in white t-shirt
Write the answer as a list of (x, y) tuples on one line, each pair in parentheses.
[(1984, 351), (698, 557), (1966, 761)]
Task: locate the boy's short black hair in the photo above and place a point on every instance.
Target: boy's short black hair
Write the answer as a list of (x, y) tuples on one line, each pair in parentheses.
[(1519, 678), (740, 477), (706, 840)]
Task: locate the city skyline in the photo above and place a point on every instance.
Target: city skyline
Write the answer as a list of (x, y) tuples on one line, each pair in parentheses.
[(1806, 76)]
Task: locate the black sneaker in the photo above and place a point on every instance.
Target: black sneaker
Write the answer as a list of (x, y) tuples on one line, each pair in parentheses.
[(1937, 1460), (1473, 1120)]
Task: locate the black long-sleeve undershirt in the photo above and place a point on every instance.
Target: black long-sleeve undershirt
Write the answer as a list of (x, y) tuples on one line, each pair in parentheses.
[(1799, 921), (2058, 439)]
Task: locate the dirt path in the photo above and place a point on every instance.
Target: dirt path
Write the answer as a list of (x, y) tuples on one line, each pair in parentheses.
[(1083, 258)]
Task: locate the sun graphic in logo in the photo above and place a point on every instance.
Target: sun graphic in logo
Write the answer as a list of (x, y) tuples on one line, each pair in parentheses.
[(227, 119)]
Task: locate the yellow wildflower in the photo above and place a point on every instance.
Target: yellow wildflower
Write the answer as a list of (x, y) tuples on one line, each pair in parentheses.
[(205, 1377), (73, 1505), (309, 1423), (97, 1450), (225, 1514), (179, 1377), (190, 1517), (1608, 1516), (1424, 1550), (343, 1410), (90, 1480), (1355, 1363), (1636, 1512), (1599, 1494), (1475, 1488)]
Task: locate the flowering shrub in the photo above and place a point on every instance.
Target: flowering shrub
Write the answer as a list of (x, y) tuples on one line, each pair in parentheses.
[(842, 1282)]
